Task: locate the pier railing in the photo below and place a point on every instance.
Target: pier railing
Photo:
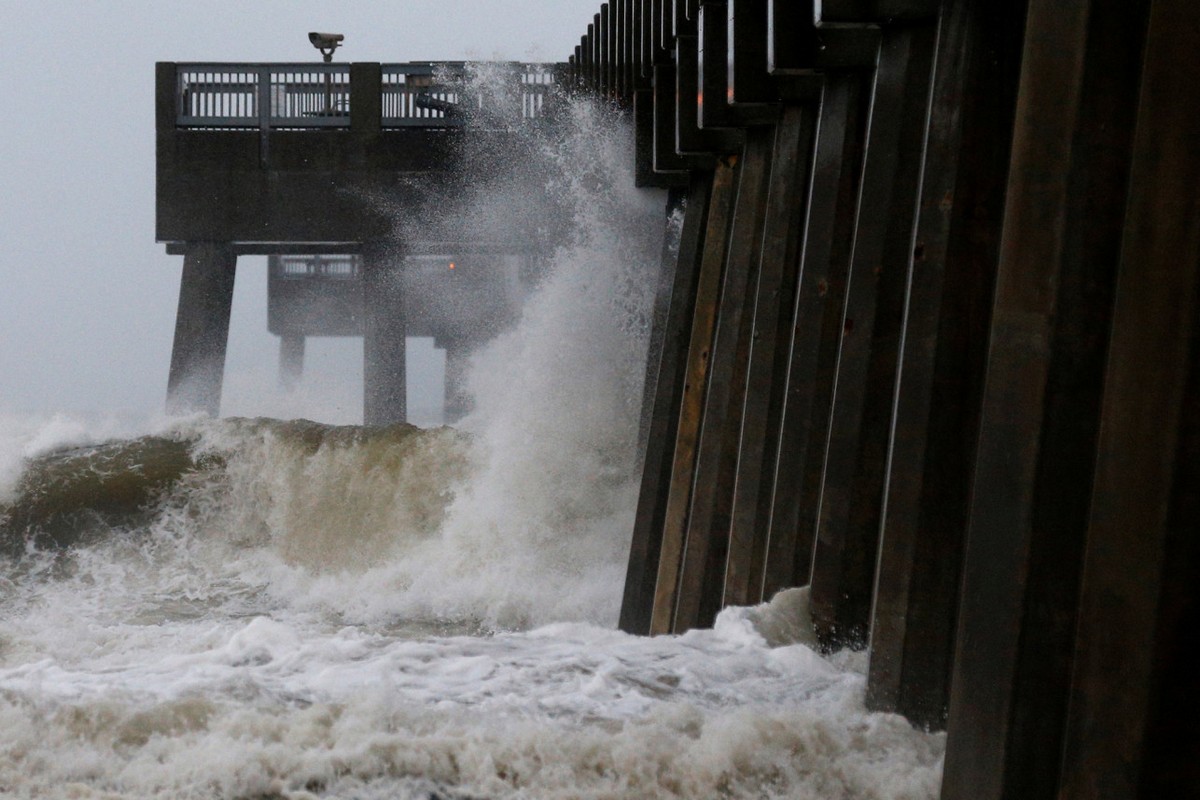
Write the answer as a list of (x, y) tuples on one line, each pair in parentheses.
[(304, 96), (339, 267)]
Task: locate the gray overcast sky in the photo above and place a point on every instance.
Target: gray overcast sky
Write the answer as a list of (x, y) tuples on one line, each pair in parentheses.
[(87, 299)]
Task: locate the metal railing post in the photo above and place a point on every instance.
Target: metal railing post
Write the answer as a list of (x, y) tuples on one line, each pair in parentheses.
[(264, 115)]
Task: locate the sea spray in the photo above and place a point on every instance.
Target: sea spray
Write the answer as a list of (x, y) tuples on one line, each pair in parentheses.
[(540, 532)]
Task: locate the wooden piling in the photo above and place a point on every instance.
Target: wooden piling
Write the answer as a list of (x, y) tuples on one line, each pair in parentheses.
[(1033, 487), (851, 495), (707, 528), (1133, 724), (950, 290), (764, 386), (660, 408), (668, 273), (687, 429), (812, 341)]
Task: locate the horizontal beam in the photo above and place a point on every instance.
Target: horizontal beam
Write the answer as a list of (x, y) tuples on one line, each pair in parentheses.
[(414, 247)]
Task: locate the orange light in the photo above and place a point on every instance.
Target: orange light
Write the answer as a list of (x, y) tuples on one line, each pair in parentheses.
[(451, 265)]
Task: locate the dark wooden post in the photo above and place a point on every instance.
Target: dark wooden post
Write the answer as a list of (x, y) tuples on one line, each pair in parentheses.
[(851, 499), (1133, 725), (660, 407), (687, 430), (384, 327), (707, 529), (667, 275), (201, 329), (812, 342), (942, 364), (1033, 485), (771, 322), (607, 40)]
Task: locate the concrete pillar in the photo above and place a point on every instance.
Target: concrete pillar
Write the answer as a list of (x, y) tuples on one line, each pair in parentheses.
[(384, 377), (457, 401), (291, 360), (201, 329)]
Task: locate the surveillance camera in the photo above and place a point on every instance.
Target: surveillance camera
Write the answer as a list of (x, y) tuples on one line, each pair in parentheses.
[(325, 41)]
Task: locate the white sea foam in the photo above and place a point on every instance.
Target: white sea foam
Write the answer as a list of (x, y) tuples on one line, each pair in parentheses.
[(570, 710)]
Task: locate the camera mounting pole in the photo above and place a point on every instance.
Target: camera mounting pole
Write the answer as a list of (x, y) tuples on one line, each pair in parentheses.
[(327, 43)]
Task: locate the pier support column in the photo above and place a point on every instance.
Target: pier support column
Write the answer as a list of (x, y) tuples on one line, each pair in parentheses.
[(660, 404), (816, 331), (457, 402), (700, 328), (384, 329), (201, 329), (291, 360), (1133, 721), (850, 505), (707, 529), (770, 323), (942, 359), (1033, 496)]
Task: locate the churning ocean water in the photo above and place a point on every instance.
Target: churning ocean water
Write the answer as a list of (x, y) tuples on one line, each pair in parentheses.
[(257, 608)]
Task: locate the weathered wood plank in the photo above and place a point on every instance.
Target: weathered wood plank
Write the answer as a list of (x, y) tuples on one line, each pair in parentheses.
[(660, 405), (851, 499), (1040, 420), (687, 430), (707, 529), (768, 358), (942, 364), (816, 331)]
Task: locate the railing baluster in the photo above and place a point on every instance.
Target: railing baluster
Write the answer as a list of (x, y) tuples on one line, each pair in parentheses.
[(294, 96)]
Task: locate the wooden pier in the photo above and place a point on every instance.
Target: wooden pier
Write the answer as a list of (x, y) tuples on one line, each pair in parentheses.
[(929, 343), (355, 161)]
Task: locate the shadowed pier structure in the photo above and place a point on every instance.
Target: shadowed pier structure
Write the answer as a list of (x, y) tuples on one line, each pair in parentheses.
[(928, 342), (344, 174), (459, 301)]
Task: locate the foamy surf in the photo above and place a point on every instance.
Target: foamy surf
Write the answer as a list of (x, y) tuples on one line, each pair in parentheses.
[(227, 650), (263, 708)]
